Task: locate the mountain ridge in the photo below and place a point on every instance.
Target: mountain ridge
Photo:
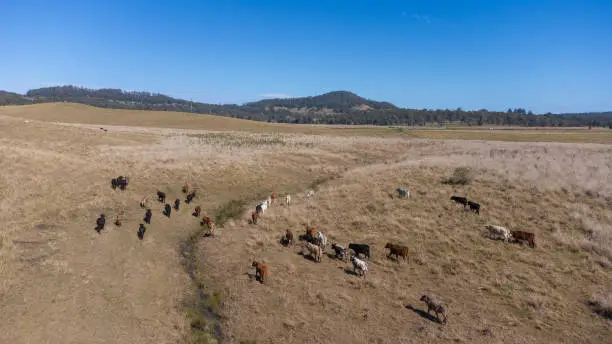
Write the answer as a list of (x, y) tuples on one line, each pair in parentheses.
[(336, 107)]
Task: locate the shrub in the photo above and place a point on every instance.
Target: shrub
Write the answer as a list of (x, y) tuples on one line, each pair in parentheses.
[(461, 176)]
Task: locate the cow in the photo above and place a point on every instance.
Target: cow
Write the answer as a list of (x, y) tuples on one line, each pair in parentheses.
[(123, 182), (167, 210), (475, 207), (261, 271), (289, 238), (141, 231), (190, 197), (177, 204), (161, 196), (310, 193), (436, 306), (100, 222), (259, 209), (524, 236), (254, 217), (147, 217), (460, 200), (397, 251), (186, 188), (272, 198), (322, 239), (288, 200), (114, 183), (315, 251), (403, 192), (341, 252), (360, 249), (206, 221), (360, 265), (498, 232), (197, 211), (143, 202)]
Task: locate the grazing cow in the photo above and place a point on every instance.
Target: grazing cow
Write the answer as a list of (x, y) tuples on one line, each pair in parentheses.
[(141, 231), (197, 211), (322, 239), (498, 232), (177, 204), (119, 219), (436, 306), (360, 249), (403, 192), (114, 183), (526, 236), (314, 251), (397, 251), (289, 237), (310, 231), (254, 217), (123, 182), (186, 188), (264, 205), (288, 200), (460, 200), (211, 229), (272, 198), (206, 221), (143, 202), (259, 209), (475, 207), (100, 222), (190, 197), (161, 196), (359, 264), (147, 217), (341, 252), (261, 271), (167, 210)]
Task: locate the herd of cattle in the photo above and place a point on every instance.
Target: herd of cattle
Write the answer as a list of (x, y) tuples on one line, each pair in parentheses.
[(122, 182), (314, 241)]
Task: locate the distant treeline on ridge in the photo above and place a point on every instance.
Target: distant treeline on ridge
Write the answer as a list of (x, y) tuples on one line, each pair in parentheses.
[(339, 107)]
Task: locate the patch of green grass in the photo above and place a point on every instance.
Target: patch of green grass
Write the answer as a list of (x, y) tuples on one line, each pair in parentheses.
[(230, 210), (461, 176)]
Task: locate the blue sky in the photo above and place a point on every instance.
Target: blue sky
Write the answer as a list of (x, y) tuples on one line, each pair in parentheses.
[(540, 55)]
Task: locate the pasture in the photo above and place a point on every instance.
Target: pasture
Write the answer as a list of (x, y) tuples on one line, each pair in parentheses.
[(64, 283)]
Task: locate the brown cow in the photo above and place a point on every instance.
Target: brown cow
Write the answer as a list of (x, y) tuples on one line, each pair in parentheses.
[(206, 221), (197, 211), (527, 236), (289, 237), (254, 217), (272, 198), (397, 251), (119, 219), (310, 231), (186, 188), (261, 271)]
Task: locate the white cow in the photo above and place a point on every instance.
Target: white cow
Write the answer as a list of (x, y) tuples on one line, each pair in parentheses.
[(498, 232), (322, 239), (288, 200), (359, 264)]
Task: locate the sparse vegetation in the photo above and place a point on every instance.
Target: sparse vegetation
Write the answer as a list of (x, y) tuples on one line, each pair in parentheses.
[(130, 288)]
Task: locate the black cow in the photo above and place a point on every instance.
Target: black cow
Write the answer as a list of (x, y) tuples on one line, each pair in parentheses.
[(258, 209), (340, 252), (167, 210), (141, 231), (122, 182), (460, 200), (100, 222), (360, 248), (161, 196), (147, 217), (475, 207), (177, 204), (114, 183), (190, 197)]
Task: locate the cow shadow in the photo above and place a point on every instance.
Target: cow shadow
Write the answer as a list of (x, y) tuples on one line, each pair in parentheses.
[(307, 256), (350, 271), (253, 277), (423, 314)]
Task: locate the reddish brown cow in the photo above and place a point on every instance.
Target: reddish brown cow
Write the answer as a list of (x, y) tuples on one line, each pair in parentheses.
[(261, 271), (289, 237), (397, 251), (526, 236), (254, 217), (197, 211), (186, 188)]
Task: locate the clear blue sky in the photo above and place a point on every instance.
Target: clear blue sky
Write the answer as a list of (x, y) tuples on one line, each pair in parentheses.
[(549, 55)]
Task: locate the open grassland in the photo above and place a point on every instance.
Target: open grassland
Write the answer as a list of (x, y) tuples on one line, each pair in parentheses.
[(64, 283)]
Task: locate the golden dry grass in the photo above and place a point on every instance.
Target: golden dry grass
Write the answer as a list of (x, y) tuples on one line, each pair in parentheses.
[(64, 283)]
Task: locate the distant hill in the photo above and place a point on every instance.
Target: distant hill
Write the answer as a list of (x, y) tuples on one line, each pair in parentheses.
[(10, 98), (338, 107)]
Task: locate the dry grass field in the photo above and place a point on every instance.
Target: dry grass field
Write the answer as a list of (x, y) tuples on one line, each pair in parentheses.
[(64, 283)]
